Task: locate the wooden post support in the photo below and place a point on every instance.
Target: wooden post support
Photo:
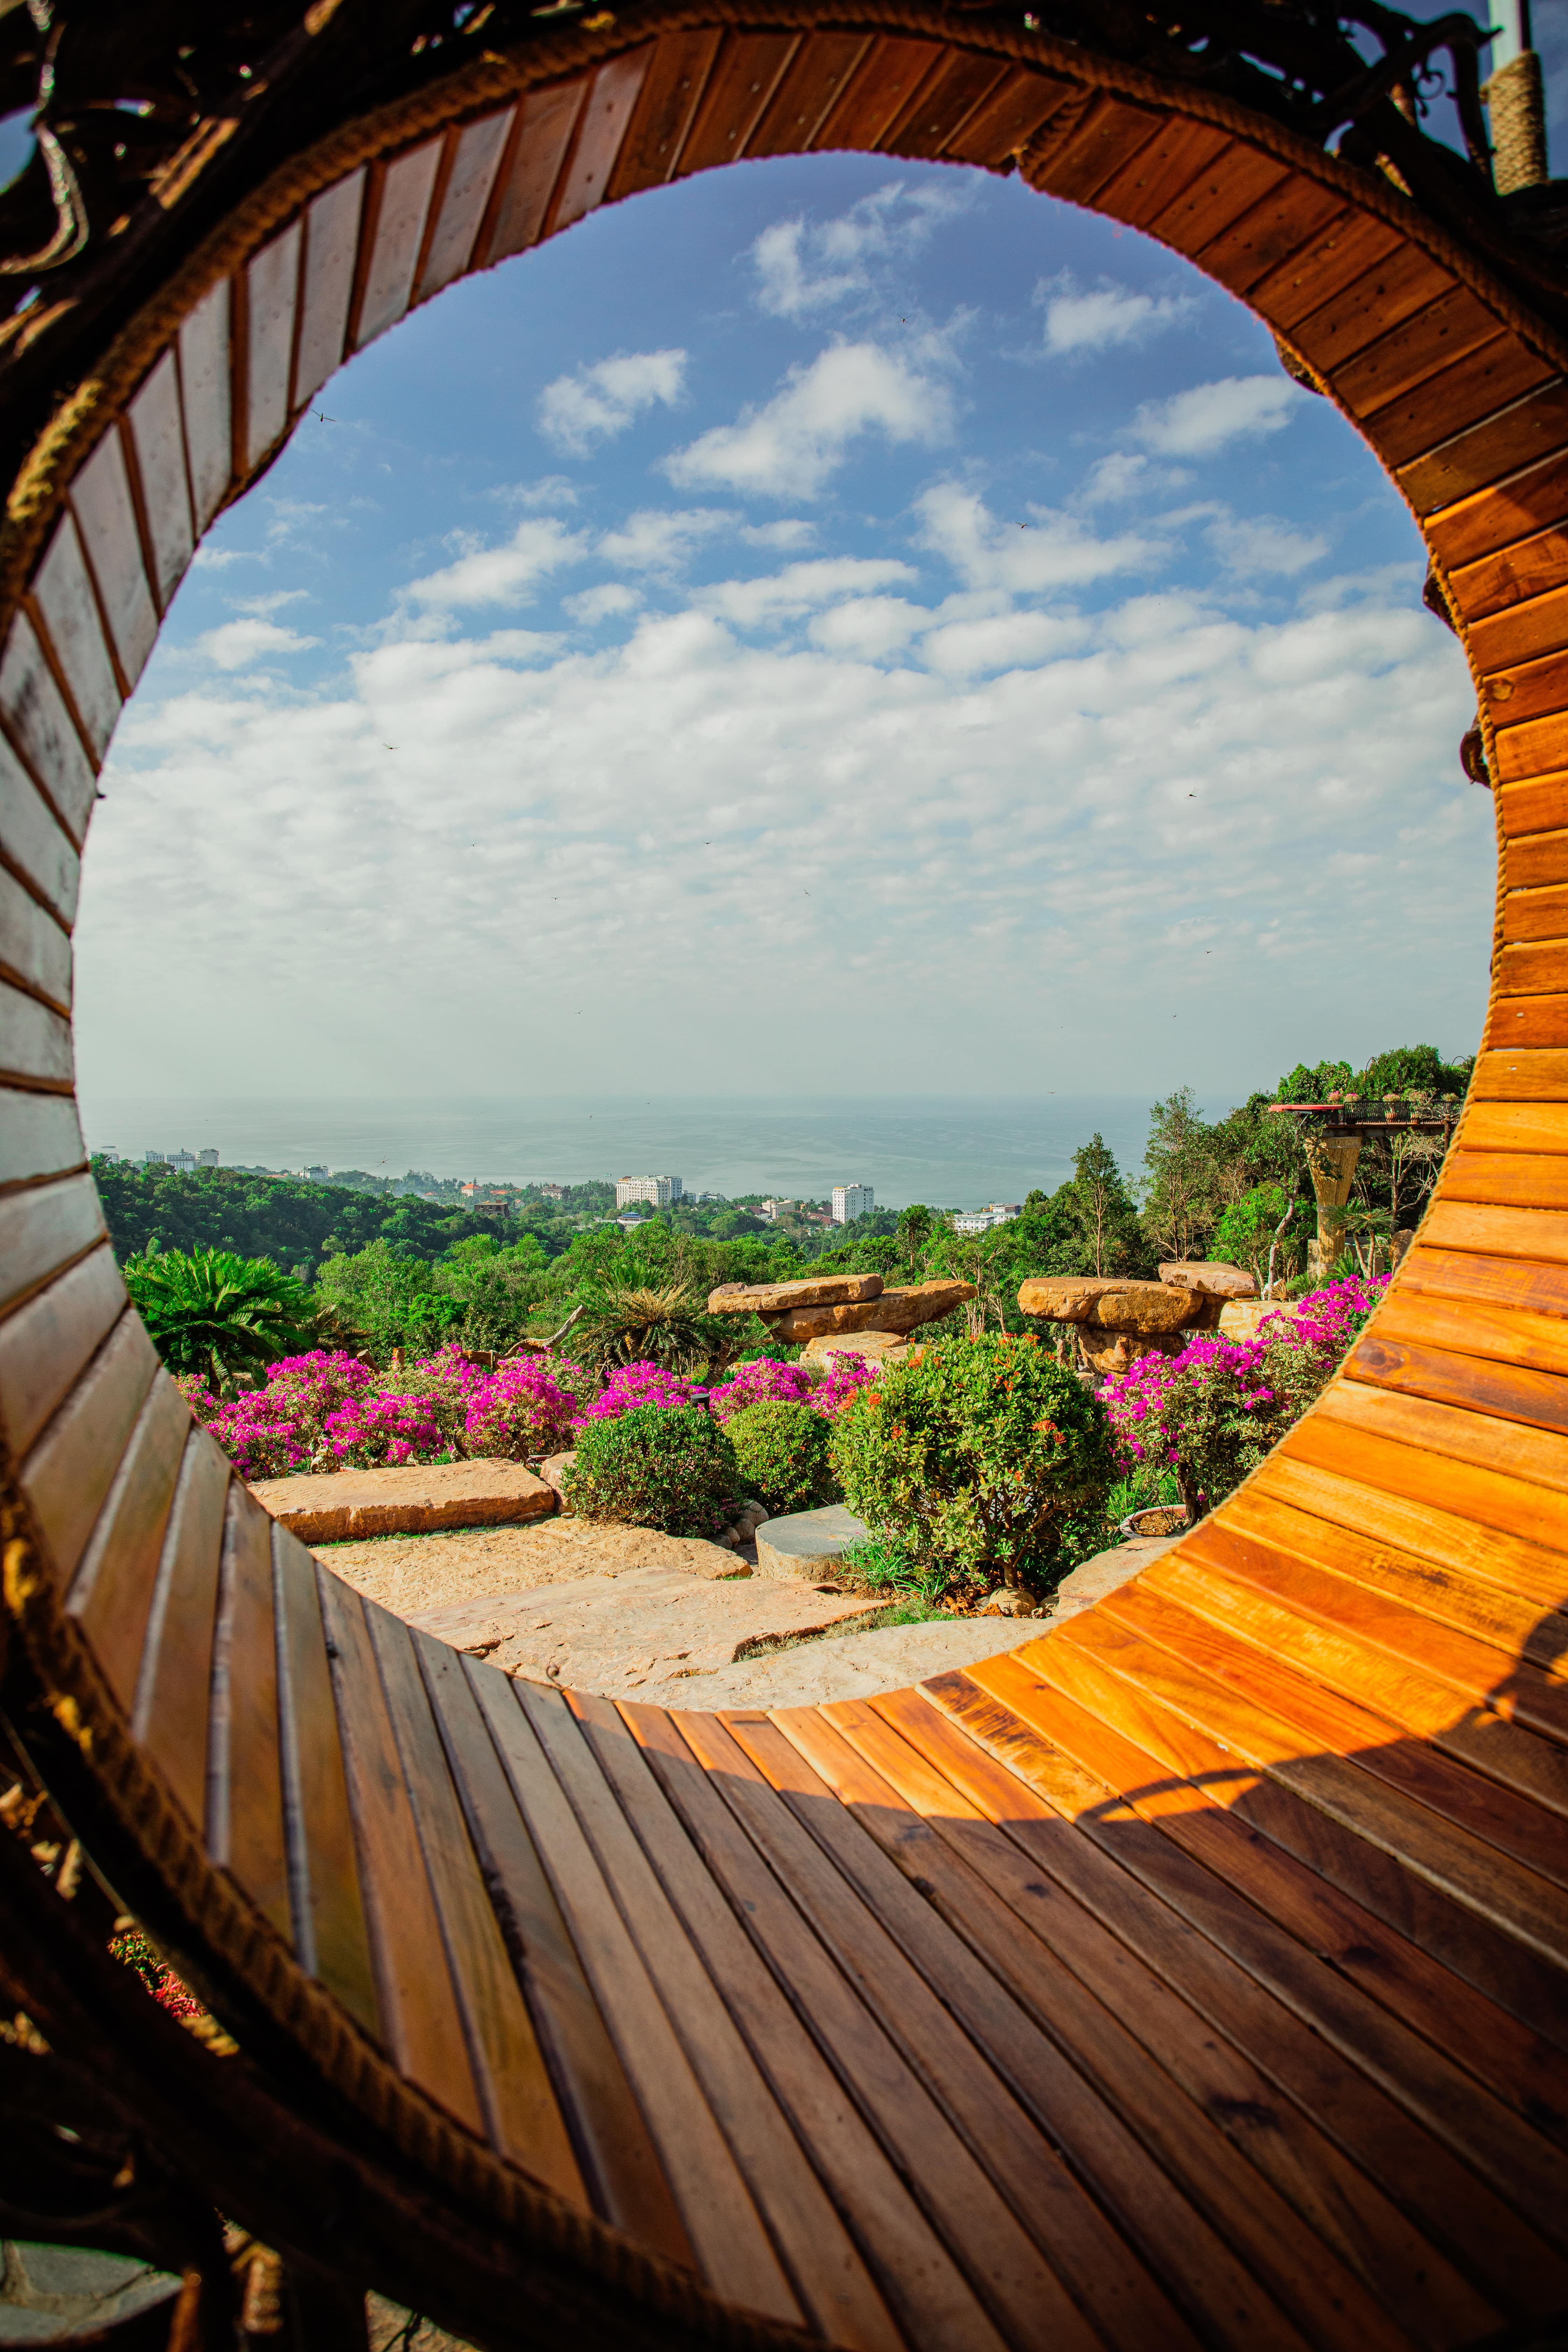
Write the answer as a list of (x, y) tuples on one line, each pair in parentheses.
[(1331, 1160)]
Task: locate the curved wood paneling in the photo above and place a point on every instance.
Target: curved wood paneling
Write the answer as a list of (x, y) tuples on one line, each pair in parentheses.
[(1194, 1975)]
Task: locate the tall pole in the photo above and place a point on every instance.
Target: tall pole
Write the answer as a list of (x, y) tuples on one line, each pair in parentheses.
[(1516, 100)]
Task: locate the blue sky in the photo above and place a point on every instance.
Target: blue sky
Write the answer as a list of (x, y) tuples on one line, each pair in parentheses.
[(834, 626)]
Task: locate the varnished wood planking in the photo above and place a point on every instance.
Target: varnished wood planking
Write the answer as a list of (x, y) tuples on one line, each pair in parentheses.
[(271, 295), (106, 518), (1374, 308), (1534, 1400), (34, 843), (1520, 1076), (1538, 805), (1140, 193), (1218, 198), (40, 728), (541, 134), (245, 1765), (1493, 521), (1496, 1232), (158, 437), (814, 80), (1530, 430), (40, 1134), (46, 1344), (1464, 390), (173, 1678), (475, 161), (606, 113), (1287, 220), (34, 1042), (1514, 1127), (1018, 111), (744, 75), (396, 227), (34, 949), (879, 92), (1109, 135), (325, 1900), (1321, 273), (112, 1590), (43, 1231), (1448, 328), (326, 290), (1516, 574), (72, 1466), (64, 602), (671, 92), (205, 388), (944, 103)]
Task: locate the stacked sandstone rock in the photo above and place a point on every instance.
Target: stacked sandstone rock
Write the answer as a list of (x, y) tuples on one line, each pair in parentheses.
[(1116, 1320), (830, 1306)]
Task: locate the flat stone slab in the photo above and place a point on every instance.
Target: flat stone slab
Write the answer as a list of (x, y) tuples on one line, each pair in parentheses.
[(808, 1543), (595, 1634), (408, 1573), (847, 1665), (1212, 1276), (873, 1348), (900, 1312), (779, 1297), (336, 1506)]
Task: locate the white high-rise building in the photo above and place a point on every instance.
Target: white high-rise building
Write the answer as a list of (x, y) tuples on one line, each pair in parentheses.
[(851, 1201), (182, 1159), (658, 1189), (207, 1156)]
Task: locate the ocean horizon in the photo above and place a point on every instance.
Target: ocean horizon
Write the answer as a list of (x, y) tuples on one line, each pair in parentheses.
[(948, 1151)]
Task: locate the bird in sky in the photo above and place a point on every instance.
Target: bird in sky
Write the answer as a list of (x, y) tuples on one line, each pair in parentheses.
[(322, 419)]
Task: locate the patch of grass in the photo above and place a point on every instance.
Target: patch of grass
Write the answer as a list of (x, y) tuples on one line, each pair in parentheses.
[(878, 1565)]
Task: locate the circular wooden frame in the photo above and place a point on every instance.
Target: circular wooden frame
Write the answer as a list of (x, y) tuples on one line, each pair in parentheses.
[(1374, 1625)]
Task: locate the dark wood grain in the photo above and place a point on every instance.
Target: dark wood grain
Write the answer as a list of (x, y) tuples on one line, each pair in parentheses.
[(175, 1681), (245, 1763)]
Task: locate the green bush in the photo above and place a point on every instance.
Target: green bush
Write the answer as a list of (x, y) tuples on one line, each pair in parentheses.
[(781, 1450), (218, 1316), (975, 1458), (657, 1467)]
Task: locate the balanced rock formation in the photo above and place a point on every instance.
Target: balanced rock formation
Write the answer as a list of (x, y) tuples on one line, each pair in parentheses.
[(1212, 1277), (798, 1311), (779, 1297), (1117, 1319)]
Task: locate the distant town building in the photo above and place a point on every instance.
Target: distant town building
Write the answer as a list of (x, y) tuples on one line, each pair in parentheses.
[(154, 1158), (207, 1156), (182, 1159), (659, 1191), (852, 1201), (106, 1152), (313, 1175), (772, 1209), (981, 1221), (554, 1192)]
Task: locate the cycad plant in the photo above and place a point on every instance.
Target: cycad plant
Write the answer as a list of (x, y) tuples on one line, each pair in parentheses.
[(220, 1316), (665, 1324)]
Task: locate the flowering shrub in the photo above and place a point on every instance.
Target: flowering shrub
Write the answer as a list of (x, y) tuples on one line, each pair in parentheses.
[(762, 1381), (1213, 1412), (257, 1431), (631, 1386), (378, 1432), (657, 1467), (781, 1449), (974, 1456), (849, 1375), (525, 1408)]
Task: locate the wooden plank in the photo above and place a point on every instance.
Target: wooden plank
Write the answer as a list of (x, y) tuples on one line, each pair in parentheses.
[(1538, 857), (1535, 914), (170, 1715), (106, 518), (1527, 969), (606, 113), (525, 183), (522, 2118), (746, 74), (331, 246), (1533, 428), (1541, 806), (40, 1134), (111, 1594), (1109, 135), (34, 949), (204, 356), (1514, 575), (1512, 1127), (1371, 309), (1496, 1232), (1530, 748), (1256, 1530), (72, 1466), (1526, 1284), (1521, 1180), (245, 1764), (64, 605), (45, 1345), (616, 2157), (1157, 175), (1467, 389), (814, 81), (34, 843), (939, 111), (44, 1230), (1455, 324), (878, 93), (271, 294), (40, 725), (1016, 112), (397, 240), (1125, 2028), (1539, 1400), (1508, 514), (1296, 213), (1532, 689), (538, 1743), (1520, 1074), (1319, 274), (1354, 2068), (158, 437), (1232, 2096), (939, 2086), (1492, 1498), (671, 92), (34, 1042), (327, 1909), (1528, 626), (476, 160), (421, 2022), (796, 2086), (1218, 198)]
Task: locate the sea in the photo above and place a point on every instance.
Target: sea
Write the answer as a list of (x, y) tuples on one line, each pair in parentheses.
[(951, 1153)]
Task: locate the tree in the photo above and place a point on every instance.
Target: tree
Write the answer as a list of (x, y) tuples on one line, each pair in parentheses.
[(388, 1302), (219, 1316), (1099, 1206), (1178, 1184), (915, 1227)]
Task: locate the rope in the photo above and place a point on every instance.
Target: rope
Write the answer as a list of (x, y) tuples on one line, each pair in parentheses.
[(1516, 100)]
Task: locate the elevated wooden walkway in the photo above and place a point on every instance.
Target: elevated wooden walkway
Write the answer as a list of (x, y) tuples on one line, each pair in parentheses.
[(1195, 1975)]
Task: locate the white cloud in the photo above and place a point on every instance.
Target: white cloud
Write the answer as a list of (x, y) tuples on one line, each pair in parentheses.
[(606, 603), (1003, 641), (594, 403), (1051, 550), (796, 532), (236, 644), (1099, 318), (803, 266), (266, 606), (1196, 424), (1263, 543), (502, 575), (789, 447), (1125, 474), (869, 628), (801, 588), (660, 539)]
